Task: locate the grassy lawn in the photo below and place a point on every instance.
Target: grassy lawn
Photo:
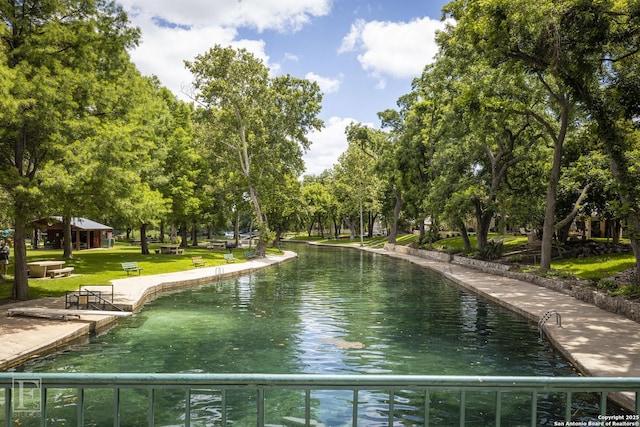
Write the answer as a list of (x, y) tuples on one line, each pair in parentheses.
[(455, 245), (98, 267), (403, 239), (595, 267)]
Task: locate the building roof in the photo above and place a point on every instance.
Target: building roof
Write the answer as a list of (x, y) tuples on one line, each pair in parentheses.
[(83, 223)]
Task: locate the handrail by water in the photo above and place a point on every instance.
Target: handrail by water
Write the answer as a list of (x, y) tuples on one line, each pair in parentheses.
[(548, 316), (14, 385)]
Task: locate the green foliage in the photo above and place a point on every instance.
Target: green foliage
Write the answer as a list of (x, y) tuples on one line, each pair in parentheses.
[(627, 291), (493, 250)]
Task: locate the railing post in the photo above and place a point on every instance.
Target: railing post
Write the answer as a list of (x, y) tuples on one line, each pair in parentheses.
[(43, 410), (8, 403), (116, 407), (567, 407), (260, 397), (463, 409), (307, 407), (354, 409), (427, 407), (498, 408), (391, 406), (534, 408), (224, 407), (152, 404), (187, 413), (80, 406)]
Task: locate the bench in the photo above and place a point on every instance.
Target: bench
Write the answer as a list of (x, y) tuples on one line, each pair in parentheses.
[(198, 262), (250, 254), (230, 258), (215, 245), (60, 272), (131, 266)]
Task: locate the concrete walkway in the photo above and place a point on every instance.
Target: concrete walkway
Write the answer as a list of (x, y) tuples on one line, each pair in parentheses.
[(597, 342)]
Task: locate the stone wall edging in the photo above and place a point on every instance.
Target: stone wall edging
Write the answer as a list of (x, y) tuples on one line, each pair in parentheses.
[(617, 305)]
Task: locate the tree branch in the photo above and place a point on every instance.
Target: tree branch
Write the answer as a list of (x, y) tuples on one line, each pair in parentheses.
[(574, 211)]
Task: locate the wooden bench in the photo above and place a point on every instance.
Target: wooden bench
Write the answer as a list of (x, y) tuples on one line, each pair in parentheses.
[(60, 272), (131, 266), (198, 262), (229, 258), (250, 254)]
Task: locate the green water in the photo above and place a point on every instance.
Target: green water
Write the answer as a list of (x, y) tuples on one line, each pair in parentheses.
[(331, 311)]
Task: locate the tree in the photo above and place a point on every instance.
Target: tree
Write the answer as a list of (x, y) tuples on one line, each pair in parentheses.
[(260, 122), (357, 187), (531, 36), (57, 54)]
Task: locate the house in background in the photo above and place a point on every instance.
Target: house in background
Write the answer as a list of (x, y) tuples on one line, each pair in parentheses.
[(85, 233)]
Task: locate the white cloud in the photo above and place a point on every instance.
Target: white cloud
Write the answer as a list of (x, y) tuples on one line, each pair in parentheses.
[(393, 49), (281, 15), (327, 84), (173, 32), (327, 145)]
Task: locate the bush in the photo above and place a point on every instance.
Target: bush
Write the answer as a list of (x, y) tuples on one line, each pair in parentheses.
[(607, 285), (627, 291), (493, 250)]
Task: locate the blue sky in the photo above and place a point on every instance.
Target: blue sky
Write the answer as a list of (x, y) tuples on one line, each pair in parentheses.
[(363, 54)]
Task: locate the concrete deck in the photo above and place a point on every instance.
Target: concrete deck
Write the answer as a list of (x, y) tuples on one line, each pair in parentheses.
[(597, 342)]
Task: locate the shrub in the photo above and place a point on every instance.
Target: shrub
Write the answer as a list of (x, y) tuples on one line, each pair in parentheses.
[(493, 250)]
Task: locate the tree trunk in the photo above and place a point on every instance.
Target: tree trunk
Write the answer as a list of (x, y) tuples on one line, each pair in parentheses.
[(617, 226), (465, 237), (484, 224), (396, 218), (143, 240), (20, 290), (183, 235), (336, 228), (194, 236), (483, 219), (548, 226), (67, 241)]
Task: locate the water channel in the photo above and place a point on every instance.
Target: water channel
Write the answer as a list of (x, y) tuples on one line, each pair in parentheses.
[(331, 311)]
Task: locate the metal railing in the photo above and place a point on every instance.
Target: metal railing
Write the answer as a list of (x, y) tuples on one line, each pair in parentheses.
[(43, 395)]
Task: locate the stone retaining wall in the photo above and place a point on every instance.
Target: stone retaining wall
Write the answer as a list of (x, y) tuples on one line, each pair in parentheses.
[(421, 253), (578, 290)]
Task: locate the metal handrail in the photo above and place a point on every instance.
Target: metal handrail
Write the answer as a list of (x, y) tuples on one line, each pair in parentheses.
[(12, 384), (548, 316)]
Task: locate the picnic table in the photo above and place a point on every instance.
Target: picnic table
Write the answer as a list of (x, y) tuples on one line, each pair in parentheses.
[(171, 249), (39, 268)]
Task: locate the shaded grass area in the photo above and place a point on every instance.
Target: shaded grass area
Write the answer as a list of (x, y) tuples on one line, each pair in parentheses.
[(455, 244), (378, 241), (100, 266)]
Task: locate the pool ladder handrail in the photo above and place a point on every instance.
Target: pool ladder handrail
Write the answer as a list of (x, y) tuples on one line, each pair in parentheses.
[(548, 316)]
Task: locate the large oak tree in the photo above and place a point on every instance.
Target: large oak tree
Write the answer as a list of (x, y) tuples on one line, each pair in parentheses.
[(57, 53)]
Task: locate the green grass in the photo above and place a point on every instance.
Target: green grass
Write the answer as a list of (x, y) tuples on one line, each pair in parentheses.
[(99, 267), (455, 244), (379, 241), (596, 267)]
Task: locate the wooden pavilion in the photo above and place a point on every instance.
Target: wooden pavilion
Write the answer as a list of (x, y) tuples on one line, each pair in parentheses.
[(85, 233)]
